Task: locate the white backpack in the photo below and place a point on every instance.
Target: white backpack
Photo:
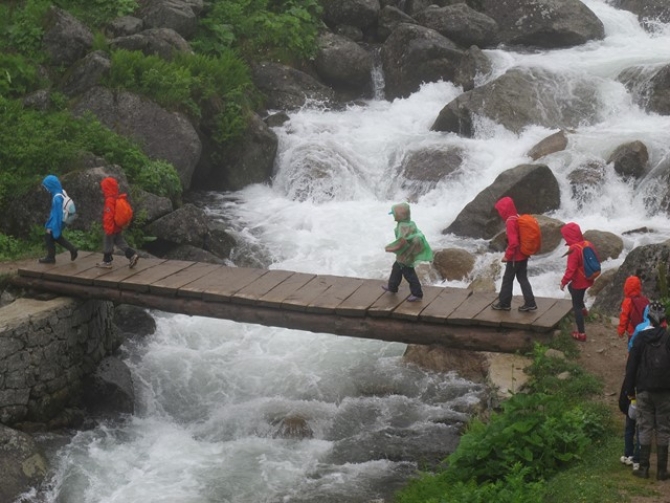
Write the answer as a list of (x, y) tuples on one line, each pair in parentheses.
[(69, 209)]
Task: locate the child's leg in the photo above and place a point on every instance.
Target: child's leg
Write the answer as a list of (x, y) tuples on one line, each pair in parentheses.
[(122, 245), (414, 284), (395, 278), (50, 244), (108, 247), (629, 438)]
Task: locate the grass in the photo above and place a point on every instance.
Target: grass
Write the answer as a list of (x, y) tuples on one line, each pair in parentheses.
[(600, 478)]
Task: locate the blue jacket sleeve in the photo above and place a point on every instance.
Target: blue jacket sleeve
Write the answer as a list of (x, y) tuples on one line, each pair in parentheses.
[(55, 220)]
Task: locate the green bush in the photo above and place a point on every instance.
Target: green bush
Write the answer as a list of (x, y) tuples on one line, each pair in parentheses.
[(260, 29), (22, 28), (35, 143), (18, 76), (98, 12), (539, 431)]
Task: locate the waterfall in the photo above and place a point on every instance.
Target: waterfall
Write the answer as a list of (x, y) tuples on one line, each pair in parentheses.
[(377, 75)]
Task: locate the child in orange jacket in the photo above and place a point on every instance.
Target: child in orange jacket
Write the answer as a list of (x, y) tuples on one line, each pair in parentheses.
[(632, 307), (113, 233)]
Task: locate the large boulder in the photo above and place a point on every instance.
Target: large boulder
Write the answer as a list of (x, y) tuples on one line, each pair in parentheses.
[(161, 134), (454, 264), (390, 18), (286, 88), (421, 170), (587, 181), (413, 55), (178, 15), (65, 39), (607, 244), (86, 73), (22, 464), (647, 262), (359, 13), (109, 391), (163, 42), (460, 24), (520, 98), (475, 67), (343, 64), (533, 187), (249, 161), (187, 225), (544, 23), (552, 143), (134, 320), (650, 86), (630, 160), (647, 11)]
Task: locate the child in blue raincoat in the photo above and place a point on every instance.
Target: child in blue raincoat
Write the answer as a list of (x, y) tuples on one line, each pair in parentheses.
[(54, 224)]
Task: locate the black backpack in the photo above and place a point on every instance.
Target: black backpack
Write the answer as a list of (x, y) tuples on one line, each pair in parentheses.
[(656, 362)]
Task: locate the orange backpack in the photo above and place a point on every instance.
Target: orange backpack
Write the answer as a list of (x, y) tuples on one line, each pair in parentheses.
[(530, 236), (123, 212)]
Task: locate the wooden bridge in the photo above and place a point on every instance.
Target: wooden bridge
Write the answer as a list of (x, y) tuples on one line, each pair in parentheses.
[(355, 307)]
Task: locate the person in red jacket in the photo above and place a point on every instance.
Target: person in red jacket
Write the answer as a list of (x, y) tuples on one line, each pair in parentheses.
[(113, 233), (632, 307), (516, 263), (574, 277)]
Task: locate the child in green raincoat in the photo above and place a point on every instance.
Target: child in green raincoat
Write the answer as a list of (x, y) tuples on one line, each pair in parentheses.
[(410, 247)]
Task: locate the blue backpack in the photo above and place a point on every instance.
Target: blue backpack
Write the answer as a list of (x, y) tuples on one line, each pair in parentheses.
[(590, 261)]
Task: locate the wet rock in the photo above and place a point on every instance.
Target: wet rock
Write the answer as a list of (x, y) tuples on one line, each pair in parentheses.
[(454, 264), (22, 464), (630, 160), (295, 426), (608, 244), (553, 143)]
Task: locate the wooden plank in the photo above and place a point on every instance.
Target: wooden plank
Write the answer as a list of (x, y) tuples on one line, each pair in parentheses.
[(212, 281), (357, 303), (445, 304), (333, 297), (223, 292), (387, 303), (120, 272), (493, 318), (305, 295), (170, 285), (260, 286), (276, 296), (468, 310), (523, 320), (552, 316), (67, 270), (36, 270), (89, 272), (140, 282), (412, 310)]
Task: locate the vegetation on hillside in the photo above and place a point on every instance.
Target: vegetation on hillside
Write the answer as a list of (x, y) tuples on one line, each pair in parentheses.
[(212, 86)]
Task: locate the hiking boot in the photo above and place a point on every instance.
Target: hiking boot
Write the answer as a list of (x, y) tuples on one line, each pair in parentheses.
[(104, 265), (73, 254), (525, 308), (133, 260), (387, 289), (499, 307), (47, 260), (578, 336), (413, 298)]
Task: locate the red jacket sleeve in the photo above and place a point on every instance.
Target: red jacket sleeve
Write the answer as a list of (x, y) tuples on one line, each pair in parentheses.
[(512, 252), (572, 267), (624, 316), (108, 224)]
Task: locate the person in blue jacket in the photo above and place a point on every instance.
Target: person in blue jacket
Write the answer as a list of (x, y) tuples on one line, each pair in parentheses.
[(54, 224)]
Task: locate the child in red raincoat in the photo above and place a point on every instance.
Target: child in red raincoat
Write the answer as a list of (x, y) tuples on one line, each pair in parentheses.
[(113, 233)]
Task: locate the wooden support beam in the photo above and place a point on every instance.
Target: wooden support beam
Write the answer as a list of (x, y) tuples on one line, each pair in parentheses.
[(474, 338)]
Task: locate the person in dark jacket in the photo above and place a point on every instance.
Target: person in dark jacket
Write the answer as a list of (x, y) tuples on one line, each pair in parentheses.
[(648, 381), (516, 263), (54, 224), (574, 277)]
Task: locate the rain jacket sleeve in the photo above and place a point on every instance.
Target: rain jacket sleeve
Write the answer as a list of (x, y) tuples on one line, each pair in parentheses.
[(410, 245)]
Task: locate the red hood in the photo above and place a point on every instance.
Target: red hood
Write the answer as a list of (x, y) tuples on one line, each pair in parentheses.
[(572, 233), (632, 287), (110, 187), (506, 208)]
